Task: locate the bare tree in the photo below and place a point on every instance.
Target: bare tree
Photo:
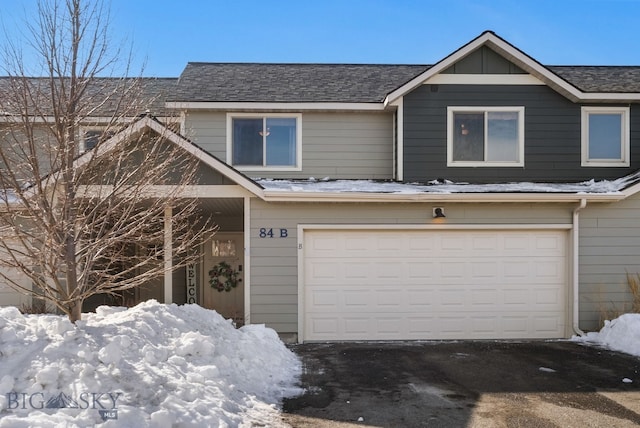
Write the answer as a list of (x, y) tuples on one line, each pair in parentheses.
[(78, 224)]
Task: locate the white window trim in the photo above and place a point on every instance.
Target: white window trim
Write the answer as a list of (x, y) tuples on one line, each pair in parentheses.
[(624, 152), (483, 109), (297, 116)]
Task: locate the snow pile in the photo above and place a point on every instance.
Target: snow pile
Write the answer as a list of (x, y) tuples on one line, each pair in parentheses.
[(152, 365), (621, 334), (444, 186)]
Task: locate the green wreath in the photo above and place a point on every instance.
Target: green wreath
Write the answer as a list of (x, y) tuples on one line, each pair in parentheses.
[(223, 277)]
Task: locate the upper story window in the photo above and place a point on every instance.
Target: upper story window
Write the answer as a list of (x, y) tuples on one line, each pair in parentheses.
[(485, 136), (605, 136), (91, 135), (270, 142)]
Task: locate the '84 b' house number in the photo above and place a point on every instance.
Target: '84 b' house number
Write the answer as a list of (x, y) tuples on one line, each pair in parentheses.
[(269, 232)]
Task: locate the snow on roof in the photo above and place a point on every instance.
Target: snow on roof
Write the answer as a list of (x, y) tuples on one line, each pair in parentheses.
[(327, 185)]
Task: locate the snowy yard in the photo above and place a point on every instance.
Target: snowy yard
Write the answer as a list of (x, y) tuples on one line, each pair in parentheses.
[(163, 365), (621, 334), (152, 365)]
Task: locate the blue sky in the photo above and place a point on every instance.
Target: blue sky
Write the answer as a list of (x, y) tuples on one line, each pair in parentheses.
[(168, 34)]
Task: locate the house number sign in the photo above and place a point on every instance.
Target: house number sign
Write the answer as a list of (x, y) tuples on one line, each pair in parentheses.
[(191, 283), (269, 232)]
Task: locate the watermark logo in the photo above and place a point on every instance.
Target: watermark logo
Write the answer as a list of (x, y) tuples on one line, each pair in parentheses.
[(106, 403)]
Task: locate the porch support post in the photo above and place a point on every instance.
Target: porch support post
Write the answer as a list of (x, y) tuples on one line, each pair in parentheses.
[(168, 256)]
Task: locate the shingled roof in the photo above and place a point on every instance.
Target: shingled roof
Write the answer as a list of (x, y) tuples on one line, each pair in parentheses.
[(348, 83), (309, 83), (606, 79), (103, 97), (251, 82)]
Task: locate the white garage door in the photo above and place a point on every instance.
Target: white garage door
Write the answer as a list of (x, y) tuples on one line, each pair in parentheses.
[(434, 284)]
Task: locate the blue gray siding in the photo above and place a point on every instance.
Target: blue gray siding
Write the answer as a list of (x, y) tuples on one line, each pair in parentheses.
[(346, 145), (274, 261), (552, 135)]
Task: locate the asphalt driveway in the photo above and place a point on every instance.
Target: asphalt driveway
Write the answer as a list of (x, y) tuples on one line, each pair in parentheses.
[(465, 384)]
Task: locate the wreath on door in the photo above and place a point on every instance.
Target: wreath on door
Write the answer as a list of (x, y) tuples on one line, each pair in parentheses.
[(223, 277)]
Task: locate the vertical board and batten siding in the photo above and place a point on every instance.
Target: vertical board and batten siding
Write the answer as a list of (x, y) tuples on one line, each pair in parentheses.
[(274, 261), (609, 249), (342, 145), (552, 143)]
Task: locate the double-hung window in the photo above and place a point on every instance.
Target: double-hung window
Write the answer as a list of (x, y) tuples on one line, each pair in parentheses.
[(605, 136), (485, 136), (270, 142)]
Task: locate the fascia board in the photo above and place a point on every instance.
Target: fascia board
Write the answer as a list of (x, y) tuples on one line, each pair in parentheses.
[(207, 159), (522, 60), (437, 68), (279, 196), (183, 143), (321, 106), (631, 190)]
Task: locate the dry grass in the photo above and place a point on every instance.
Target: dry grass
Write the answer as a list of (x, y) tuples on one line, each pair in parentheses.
[(633, 284), (35, 307)]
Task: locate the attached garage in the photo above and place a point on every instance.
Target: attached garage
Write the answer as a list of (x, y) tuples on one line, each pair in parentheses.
[(433, 283)]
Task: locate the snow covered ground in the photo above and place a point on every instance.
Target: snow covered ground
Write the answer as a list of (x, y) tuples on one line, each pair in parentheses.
[(152, 365), (621, 334), (161, 365)]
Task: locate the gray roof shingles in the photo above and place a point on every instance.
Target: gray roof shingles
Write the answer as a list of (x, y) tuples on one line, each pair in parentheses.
[(251, 82), (611, 79), (312, 83), (349, 83), (104, 96)]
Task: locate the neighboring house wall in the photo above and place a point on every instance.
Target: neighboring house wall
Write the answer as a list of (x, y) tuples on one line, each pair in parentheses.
[(342, 145), (274, 261), (11, 297), (609, 249), (552, 135), (8, 295)]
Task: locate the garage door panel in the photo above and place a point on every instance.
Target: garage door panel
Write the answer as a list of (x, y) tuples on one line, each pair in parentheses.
[(379, 285), (419, 270)]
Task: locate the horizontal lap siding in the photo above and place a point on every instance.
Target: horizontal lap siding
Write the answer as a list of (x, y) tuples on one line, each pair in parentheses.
[(208, 130), (609, 248), (336, 145), (552, 135), (274, 261)]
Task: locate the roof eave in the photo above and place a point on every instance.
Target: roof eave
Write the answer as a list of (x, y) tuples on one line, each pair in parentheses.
[(523, 61), (274, 106), (360, 197), (147, 122)]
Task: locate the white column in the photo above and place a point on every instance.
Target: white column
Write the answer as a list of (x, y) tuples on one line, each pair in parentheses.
[(168, 256), (247, 260)]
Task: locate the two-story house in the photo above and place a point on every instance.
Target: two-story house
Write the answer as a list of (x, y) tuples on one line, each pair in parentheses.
[(485, 196)]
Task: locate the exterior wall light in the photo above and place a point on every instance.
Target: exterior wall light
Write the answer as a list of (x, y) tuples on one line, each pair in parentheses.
[(438, 213)]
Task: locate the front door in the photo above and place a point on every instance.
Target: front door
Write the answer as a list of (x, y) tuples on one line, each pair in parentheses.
[(221, 250)]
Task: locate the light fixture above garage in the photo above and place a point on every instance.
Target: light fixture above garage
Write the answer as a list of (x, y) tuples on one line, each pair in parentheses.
[(438, 212)]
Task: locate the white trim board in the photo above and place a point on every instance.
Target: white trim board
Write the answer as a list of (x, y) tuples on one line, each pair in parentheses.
[(520, 59), (266, 106), (484, 79)]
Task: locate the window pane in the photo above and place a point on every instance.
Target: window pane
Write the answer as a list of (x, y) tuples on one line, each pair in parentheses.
[(91, 139), (247, 142), (281, 141), (605, 136), (468, 137), (502, 135)]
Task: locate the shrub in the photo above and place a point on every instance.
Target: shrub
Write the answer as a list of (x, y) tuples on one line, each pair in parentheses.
[(36, 306)]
